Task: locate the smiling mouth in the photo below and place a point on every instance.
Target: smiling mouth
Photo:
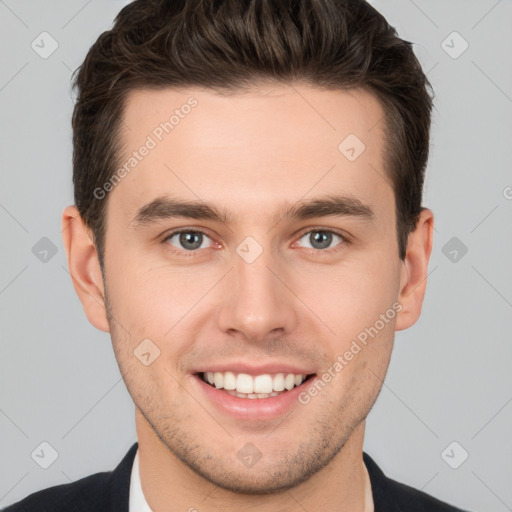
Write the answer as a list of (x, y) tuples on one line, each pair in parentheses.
[(246, 386)]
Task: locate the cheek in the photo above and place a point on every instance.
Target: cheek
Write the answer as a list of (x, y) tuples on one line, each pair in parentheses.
[(351, 296), (150, 302)]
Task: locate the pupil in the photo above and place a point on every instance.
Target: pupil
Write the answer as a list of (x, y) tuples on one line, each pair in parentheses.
[(317, 236)]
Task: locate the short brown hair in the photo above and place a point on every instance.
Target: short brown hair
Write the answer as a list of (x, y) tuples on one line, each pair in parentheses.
[(233, 45)]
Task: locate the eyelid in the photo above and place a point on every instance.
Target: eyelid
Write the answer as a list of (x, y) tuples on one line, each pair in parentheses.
[(338, 232)]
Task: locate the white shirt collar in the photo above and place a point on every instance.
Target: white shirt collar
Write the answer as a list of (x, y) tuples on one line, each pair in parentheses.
[(137, 501)]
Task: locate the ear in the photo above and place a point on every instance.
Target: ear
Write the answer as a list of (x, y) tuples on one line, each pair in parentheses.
[(84, 267), (413, 276)]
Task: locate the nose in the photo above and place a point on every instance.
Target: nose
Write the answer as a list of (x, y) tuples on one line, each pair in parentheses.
[(258, 300)]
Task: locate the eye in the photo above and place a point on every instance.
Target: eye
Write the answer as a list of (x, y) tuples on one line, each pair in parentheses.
[(321, 238), (189, 240)]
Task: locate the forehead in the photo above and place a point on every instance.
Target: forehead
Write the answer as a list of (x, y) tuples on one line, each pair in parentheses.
[(250, 151)]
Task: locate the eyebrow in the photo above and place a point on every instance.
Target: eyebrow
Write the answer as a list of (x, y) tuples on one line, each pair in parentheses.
[(166, 208)]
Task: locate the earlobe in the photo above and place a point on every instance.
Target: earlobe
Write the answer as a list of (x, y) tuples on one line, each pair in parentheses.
[(413, 279), (84, 267)]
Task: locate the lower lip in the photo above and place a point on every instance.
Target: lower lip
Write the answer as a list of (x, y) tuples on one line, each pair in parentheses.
[(252, 408)]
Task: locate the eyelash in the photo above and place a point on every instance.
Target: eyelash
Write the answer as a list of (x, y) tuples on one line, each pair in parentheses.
[(338, 247)]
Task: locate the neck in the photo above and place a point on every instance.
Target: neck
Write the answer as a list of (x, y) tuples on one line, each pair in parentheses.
[(169, 485)]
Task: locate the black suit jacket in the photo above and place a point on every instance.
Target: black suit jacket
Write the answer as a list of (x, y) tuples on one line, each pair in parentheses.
[(109, 492)]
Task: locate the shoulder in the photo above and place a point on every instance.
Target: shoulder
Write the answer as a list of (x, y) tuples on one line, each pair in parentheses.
[(102, 492), (86, 492), (392, 496)]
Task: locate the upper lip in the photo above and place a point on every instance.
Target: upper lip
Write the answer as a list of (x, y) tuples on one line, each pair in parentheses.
[(249, 369)]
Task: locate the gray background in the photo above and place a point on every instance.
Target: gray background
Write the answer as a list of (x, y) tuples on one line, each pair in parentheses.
[(449, 378)]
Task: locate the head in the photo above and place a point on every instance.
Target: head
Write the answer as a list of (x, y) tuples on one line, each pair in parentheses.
[(253, 127)]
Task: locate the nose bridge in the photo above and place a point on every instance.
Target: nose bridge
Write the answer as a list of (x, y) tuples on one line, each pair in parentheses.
[(256, 302)]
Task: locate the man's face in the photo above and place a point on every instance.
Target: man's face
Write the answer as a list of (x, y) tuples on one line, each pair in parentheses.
[(257, 288)]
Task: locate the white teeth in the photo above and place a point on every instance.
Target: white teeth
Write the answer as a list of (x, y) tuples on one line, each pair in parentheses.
[(252, 395), (278, 383), (289, 381), (218, 379), (263, 384), (260, 386), (244, 383), (229, 380)]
